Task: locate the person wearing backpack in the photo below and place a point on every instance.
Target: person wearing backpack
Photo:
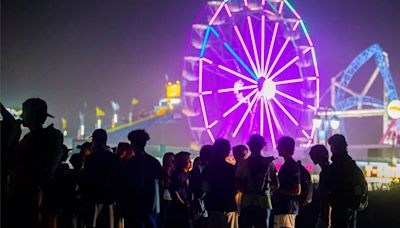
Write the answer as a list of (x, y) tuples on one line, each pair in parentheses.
[(289, 176), (255, 177), (347, 185)]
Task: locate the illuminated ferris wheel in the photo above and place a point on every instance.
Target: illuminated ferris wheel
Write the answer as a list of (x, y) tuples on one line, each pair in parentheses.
[(250, 67)]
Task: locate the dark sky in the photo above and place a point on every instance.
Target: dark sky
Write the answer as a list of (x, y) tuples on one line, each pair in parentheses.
[(69, 52)]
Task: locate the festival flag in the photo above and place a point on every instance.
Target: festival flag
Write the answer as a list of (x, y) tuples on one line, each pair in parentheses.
[(99, 112), (115, 106), (134, 101), (63, 123)]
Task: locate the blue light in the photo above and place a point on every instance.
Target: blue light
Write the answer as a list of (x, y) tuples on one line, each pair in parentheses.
[(203, 48), (240, 60), (214, 31)]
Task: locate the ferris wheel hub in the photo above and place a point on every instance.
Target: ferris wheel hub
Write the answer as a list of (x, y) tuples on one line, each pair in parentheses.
[(267, 88)]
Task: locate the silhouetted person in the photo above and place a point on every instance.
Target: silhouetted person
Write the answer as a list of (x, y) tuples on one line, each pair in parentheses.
[(179, 215), (141, 196), (347, 185), (98, 177), (289, 176), (124, 151), (320, 156), (33, 164), (220, 197), (240, 153), (196, 185), (256, 175), (168, 169)]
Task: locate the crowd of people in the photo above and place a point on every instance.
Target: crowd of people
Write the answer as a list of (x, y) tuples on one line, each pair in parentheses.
[(129, 188)]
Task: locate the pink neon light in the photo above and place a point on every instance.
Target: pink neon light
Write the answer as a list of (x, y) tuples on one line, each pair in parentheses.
[(306, 50), (309, 40), (262, 117), (262, 41), (213, 124), (239, 35), (293, 11), (263, 2), (284, 67), (206, 92), (305, 134), (271, 130), (281, 8), (228, 11), (315, 62), (285, 111), (277, 124), (239, 103), (211, 135), (200, 75), (203, 108), (239, 88), (271, 47), (253, 41), (312, 107), (245, 114), (278, 56), (296, 25), (207, 60), (237, 74), (283, 82), (245, 2), (289, 97), (216, 13)]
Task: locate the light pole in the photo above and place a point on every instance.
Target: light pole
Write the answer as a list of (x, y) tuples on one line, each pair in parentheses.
[(325, 122)]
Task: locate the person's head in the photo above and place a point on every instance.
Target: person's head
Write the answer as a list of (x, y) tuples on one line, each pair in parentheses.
[(286, 146), (240, 153), (124, 150), (183, 162), (256, 143), (85, 149), (138, 139), (99, 139), (222, 148), (76, 161), (338, 144), (168, 161), (319, 154), (206, 154), (196, 163), (34, 113)]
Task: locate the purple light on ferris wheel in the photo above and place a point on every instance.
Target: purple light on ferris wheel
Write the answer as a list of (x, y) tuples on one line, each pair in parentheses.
[(240, 70)]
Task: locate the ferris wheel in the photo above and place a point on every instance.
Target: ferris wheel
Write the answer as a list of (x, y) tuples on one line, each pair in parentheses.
[(250, 67)]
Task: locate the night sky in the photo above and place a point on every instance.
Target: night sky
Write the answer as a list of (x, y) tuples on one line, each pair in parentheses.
[(72, 52)]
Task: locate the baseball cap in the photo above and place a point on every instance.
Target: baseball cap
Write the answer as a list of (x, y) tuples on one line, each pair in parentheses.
[(37, 106)]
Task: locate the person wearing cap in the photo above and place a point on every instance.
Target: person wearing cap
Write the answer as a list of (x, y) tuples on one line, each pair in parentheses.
[(98, 178), (346, 184), (33, 164), (140, 202)]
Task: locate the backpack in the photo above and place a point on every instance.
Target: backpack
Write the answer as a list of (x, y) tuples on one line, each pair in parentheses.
[(306, 194), (360, 189)]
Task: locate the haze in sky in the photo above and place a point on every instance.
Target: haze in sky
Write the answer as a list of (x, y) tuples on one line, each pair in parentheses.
[(72, 53)]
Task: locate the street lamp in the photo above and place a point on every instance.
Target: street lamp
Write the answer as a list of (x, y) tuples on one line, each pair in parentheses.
[(324, 122)]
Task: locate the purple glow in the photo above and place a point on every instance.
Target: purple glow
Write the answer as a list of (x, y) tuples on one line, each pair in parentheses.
[(245, 2), (281, 7), (211, 135), (290, 81), (284, 67), (253, 41), (216, 13), (262, 117), (239, 35), (305, 134), (296, 25), (278, 56), (312, 107), (239, 88), (271, 130), (277, 124), (200, 76), (237, 74), (289, 97), (262, 41), (271, 47), (263, 2), (239, 103), (292, 9), (285, 111), (203, 109), (246, 114), (228, 11)]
